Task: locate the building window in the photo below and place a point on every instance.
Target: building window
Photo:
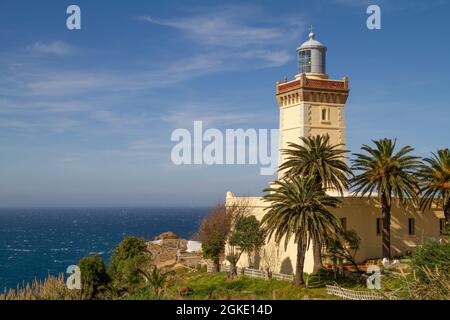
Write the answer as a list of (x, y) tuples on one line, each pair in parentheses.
[(304, 61), (441, 226), (411, 226), (379, 226), (325, 116), (344, 223)]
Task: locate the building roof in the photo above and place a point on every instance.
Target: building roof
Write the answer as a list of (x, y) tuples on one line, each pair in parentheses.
[(311, 43)]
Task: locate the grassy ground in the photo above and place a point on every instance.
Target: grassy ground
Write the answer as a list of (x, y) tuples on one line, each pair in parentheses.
[(216, 286)]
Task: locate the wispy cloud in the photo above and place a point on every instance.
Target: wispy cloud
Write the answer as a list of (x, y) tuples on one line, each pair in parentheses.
[(242, 34), (6, 123), (58, 48), (147, 145), (63, 83), (115, 119), (31, 106), (355, 3), (226, 29), (212, 116), (226, 39)]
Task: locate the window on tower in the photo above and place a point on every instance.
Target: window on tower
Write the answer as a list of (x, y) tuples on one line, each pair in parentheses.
[(304, 61), (325, 115)]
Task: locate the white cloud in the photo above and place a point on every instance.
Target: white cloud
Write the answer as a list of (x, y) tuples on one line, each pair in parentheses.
[(6, 123), (220, 30), (146, 145), (118, 120), (47, 106), (61, 83), (354, 3), (239, 35), (56, 48), (212, 116), (229, 39)]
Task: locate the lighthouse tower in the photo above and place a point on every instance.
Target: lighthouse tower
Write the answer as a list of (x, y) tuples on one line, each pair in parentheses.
[(311, 104)]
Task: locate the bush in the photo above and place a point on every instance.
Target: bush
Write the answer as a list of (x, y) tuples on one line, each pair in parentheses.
[(430, 277), (93, 275), (431, 254), (52, 288), (319, 278), (127, 258)]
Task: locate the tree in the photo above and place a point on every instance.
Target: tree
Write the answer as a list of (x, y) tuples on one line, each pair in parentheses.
[(297, 208), (213, 234), (215, 229), (343, 247), (435, 182), (130, 255), (246, 237), (391, 175), (271, 257), (316, 157), (93, 275)]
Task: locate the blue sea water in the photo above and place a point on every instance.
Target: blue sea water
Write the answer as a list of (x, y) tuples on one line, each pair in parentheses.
[(38, 242)]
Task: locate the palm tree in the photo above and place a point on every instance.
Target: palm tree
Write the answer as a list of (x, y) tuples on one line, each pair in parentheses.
[(316, 157), (390, 174), (297, 208), (436, 181), (156, 278)]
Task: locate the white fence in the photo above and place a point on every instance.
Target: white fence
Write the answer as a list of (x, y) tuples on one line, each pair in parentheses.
[(283, 277), (357, 295), (255, 273), (331, 290)]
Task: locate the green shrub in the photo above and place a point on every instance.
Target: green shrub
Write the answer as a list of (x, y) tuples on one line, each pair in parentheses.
[(52, 288), (319, 278), (93, 275), (431, 254)]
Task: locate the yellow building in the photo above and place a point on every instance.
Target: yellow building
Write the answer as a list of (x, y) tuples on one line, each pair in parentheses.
[(312, 104)]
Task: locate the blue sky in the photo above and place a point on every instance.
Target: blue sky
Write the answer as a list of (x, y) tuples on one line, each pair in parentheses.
[(86, 116)]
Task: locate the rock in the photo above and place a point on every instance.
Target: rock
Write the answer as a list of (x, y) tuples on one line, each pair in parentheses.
[(166, 235), (185, 291)]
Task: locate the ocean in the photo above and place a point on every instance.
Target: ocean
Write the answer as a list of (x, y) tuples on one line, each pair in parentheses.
[(38, 242)]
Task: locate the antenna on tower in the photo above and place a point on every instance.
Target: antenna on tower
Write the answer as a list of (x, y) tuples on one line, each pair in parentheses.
[(311, 32)]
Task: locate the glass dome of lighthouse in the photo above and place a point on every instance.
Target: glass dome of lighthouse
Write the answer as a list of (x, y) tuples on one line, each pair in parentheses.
[(312, 57)]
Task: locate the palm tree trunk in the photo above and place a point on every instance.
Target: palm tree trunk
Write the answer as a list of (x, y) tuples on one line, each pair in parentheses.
[(335, 267), (317, 253), (386, 229), (317, 245), (447, 214), (301, 248), (341, 267)]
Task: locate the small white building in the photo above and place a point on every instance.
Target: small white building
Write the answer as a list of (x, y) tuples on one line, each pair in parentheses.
[(194, 246)]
